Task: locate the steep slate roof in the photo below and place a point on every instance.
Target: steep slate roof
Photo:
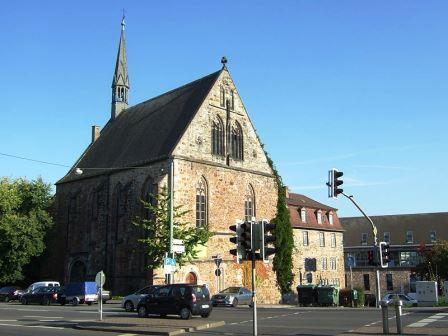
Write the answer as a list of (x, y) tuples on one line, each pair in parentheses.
[(297, 201), (145, 132), (397, 225)]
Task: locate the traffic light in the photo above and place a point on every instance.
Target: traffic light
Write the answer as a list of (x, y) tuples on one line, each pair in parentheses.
[(246, 236), (371, 258), (238, 251), (334, 182), (384, 254), (267, 238)]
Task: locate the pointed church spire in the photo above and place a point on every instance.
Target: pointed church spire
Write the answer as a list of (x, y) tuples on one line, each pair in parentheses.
[(120, 82)]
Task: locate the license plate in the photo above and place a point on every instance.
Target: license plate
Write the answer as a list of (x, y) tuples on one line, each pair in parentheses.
[(204, 306)]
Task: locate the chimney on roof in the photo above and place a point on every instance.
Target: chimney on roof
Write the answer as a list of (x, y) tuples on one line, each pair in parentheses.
[(286, 192), (96, 130)]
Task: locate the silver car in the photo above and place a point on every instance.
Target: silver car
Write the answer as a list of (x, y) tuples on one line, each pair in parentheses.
[(407, 300), (131, 301), (233, 296)]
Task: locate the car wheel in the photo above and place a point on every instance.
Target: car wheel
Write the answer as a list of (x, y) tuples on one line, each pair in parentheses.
[(251, 305), (185, 313), (24, 301), (214, 304), (128, 306), (235, 303), (142, 312), (163, 315), (45, 301), (205, 315), (89, 303)]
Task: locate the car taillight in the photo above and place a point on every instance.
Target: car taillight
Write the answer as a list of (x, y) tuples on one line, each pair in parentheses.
[(55, 296), (193, 297)]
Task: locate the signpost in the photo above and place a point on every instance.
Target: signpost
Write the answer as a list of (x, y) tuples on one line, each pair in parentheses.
[(351, 263), (100, 279), (169, 265)]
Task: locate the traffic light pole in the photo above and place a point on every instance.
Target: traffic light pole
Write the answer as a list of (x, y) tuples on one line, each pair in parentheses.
[(254, 295), (375, 241)]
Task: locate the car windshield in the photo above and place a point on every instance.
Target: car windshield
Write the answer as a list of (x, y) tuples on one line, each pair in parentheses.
[(231, 290)]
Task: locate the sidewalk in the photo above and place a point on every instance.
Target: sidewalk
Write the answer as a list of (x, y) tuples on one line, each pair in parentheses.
[(368, 331), (150, 325)]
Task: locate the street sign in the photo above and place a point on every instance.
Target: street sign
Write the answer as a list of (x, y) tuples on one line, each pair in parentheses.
[(217, 259), (218, 272), (350, 261), (178, 248), (169, 265), (178, 242), (100, 279)]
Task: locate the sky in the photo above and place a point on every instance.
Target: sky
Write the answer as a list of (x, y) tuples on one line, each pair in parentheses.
[(354, 85)]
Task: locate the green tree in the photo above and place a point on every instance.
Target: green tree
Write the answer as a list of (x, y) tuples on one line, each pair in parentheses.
[(284, 242), (157, 232), (435, 262), (24, 222)]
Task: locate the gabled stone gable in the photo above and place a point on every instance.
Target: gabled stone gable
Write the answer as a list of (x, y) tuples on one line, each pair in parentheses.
[(196, 142)]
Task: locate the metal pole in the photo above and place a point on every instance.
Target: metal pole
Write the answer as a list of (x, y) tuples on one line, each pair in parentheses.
[(375, 243), (101, 297), (385, 314), (351, 287), (171, 191), (254, 296), (398, 313)]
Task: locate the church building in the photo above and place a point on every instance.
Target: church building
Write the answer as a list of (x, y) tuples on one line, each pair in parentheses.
[(220, 173)]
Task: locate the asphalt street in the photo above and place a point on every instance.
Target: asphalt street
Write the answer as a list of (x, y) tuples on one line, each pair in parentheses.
[(17, 319)]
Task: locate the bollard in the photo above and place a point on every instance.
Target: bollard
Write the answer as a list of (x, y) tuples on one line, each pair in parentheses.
[(398, 304), (385, 313)]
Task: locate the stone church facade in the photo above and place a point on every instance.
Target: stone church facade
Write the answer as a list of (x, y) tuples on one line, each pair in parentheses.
[(221, 174)]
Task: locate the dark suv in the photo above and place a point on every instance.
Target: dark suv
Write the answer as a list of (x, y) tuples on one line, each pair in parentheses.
[(178, 299)]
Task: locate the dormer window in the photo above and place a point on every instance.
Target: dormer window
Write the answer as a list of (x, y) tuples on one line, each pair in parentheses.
[(319, 217), (330, 218), (303, 215)]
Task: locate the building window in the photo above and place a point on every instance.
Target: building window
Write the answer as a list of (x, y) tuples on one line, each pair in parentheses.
[(222, 97), (409, 237), (321, 239), (366, 281), (319, 217), (303, 215), (249, 204), (305, 238), (363, 238), (218, 137), (330, 218), (386, 237), (232, 100), (389, 282), (237, 142), (201, 203), (333, 263), (432, 236), (324, 263), (333, 239)]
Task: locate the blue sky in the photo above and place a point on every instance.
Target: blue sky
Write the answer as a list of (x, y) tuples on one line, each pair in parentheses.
[(355, 85)]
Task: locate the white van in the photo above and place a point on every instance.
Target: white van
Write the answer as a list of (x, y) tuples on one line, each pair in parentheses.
[(42, 284)]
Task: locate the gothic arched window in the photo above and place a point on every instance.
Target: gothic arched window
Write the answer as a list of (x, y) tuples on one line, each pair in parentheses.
[(149, 195), (201, 203), (249, 204), (218, 137), (232, 100), (237, 142), (222, 96)]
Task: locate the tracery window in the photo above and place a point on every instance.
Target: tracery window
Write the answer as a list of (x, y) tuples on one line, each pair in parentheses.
[(222, 97), (249, 204), (237, 142), (201, 203), (218, 137)]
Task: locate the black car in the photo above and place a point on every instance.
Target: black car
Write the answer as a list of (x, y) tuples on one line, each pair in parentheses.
[(42, 295), (10, 293), (178, 299)]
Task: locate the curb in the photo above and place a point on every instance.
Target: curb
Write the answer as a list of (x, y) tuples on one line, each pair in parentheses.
[(151, 332)]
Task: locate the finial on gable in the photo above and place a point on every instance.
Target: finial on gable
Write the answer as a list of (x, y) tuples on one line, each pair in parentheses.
[(224, 62), (123, 22)]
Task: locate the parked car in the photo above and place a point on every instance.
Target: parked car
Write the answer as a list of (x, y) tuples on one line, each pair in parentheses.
[(42, 295), (233, 296), (10, 293), (106, 295), (131, 301), (407, 300), (178, 299), (42, 284)]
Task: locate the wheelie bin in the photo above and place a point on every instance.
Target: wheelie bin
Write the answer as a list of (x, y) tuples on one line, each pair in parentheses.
[(306, 295), (327, 296)]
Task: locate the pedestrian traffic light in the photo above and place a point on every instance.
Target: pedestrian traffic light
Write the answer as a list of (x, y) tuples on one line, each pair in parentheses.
[(384, 254), (267, 238), (334, 182), (239, 252)]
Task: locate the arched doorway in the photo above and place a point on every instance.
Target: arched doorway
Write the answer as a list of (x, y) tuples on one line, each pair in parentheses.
[(191, 279), (78, 272)]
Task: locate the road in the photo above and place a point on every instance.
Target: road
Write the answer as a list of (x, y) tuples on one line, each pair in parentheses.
[(31, 320)]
